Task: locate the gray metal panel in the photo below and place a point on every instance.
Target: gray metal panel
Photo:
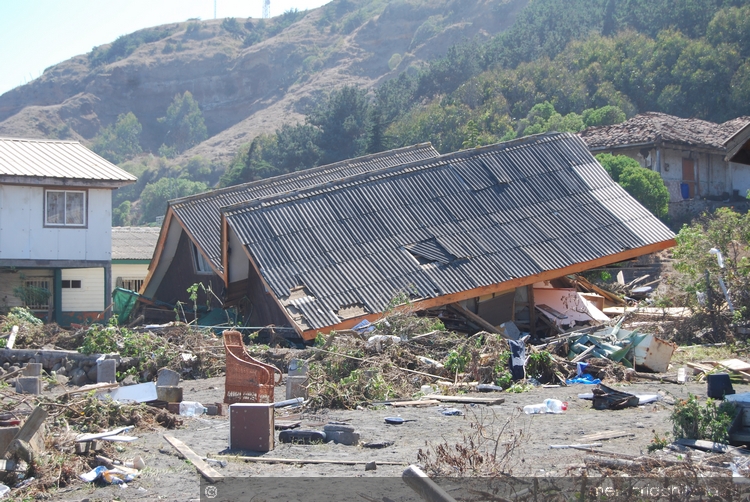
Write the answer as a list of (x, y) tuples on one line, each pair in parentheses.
[(56, 159)]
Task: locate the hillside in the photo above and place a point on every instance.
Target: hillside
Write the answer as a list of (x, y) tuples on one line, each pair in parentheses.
[(247, 81)]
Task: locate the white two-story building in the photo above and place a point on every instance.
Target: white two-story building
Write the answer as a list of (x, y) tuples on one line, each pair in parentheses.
[(56, 228)]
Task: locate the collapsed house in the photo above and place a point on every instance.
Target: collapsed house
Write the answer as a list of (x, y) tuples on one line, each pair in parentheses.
[(189, 247), (476, 227)]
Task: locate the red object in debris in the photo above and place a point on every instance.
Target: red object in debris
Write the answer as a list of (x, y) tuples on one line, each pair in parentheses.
[(565, 405)]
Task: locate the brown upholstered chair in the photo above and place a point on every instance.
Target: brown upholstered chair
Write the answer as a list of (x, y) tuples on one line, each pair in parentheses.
[(247, 379)]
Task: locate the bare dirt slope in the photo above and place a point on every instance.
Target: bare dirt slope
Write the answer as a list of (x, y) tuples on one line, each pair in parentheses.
[(244, 91)]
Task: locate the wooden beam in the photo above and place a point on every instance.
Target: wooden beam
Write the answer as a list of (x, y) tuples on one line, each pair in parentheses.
[(225, 249), (29, 428), (532, 309), (501, 286), (206, 470), (277, 460), (457, 307), (158, 250), (489, 401)]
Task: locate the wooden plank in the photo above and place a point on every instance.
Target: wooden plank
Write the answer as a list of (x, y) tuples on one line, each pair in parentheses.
[(575, 446), (29, 428), (206, 470), (735, 364), (466, 399), (277, 460), (12, 338), (90, 387), (546, 309), (426, 402), (601, 436), (532, 309), (460, 309), (583, 354), (100, 435)]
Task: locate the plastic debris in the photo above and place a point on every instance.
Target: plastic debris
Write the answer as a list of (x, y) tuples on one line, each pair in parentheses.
[(451, 412)]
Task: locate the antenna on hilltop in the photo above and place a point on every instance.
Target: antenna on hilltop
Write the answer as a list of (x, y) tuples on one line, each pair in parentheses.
[(266, 9), (214, 9)]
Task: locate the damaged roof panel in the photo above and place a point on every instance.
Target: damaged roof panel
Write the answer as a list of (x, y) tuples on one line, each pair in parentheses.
[(201, 214), (439, 227)]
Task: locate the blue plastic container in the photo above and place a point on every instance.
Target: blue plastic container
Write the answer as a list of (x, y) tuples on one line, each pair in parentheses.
[(685, 188)]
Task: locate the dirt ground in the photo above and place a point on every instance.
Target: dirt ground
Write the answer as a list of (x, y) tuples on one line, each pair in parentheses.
[(168, 477)]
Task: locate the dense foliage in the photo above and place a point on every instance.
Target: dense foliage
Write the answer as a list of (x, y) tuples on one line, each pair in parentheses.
[(119, 141), (184, 124), (644, 185)]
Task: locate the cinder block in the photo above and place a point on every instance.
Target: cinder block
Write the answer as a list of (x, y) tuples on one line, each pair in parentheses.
[(106, 371), (32, 370), (297, 367), (251, 426), (341, 434), (28, 385), (169, 394), (212, 409), (296, 386), (167, 378)]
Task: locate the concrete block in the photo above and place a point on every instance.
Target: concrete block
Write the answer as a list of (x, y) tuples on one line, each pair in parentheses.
[(212, 409), (29, 385), (343, 437), (106, 371), (169, 394), (167, 378), (173, 408), (296, 386), (251, 426), (32, 370), (297, 367)]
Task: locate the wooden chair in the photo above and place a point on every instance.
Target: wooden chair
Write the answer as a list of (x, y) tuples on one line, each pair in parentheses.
[(247, 379)]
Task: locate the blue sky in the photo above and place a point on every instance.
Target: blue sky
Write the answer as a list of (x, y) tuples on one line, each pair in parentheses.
[(37, 34)]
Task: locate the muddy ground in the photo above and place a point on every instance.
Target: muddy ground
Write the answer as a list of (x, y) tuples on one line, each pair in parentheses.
[(168, 477)]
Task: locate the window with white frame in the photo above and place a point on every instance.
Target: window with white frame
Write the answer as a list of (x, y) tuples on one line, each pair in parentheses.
[(201, 264), (65, 208), (130, 283)]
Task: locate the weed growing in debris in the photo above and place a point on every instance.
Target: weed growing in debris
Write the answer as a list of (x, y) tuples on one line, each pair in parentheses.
[(490, 448), (658, 442), (692, 421), (457, 360)]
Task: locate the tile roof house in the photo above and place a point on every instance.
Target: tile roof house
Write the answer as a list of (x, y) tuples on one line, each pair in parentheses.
[(132, 249), (55, 228), (189, 246), (468, 227), (696, 159)]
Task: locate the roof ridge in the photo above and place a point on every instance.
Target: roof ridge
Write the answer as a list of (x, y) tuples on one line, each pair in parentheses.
[(42, 140), (284, 197), (266, 181)]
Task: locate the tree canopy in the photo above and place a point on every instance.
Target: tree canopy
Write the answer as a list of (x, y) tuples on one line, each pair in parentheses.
[(184, 123)]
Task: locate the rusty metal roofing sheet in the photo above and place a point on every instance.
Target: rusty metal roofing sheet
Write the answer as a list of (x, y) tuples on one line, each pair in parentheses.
[(201, 214), (438, 227), (67, 160)]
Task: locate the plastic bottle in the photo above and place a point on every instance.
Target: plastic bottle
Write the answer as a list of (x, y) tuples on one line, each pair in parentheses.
[(555, 405), (191, 408), (533, 409)]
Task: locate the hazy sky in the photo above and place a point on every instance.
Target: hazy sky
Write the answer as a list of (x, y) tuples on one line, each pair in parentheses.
[(37, 34)]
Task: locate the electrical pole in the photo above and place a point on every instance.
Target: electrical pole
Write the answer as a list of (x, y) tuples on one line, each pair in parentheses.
[(266, 9)]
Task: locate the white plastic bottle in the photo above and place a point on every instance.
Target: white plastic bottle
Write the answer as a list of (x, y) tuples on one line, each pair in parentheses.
[(191, 408), (533, 409), (555, 405)]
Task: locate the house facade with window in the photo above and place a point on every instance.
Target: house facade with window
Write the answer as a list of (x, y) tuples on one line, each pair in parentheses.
[(55, 228), (702, 163), (132, 249)]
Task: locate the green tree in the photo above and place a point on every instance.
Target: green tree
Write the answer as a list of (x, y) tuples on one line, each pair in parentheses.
[(155, 196), (184, 123), (646, 187), (606, 115), (121, 215), (616, 164), (343, 121), (119, 141)]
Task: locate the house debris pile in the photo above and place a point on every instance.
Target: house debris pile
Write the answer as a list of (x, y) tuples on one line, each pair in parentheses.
[(71, 356)]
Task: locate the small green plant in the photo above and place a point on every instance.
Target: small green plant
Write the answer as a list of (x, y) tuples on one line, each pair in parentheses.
[(503, 376), (692, 421), (520, 387), (539, 366), (457, 361), (658, 442)]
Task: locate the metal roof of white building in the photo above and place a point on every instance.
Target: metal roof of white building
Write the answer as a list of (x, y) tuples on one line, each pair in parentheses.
[(52, 159)]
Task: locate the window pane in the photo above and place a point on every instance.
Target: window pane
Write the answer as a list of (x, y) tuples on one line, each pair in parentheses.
[(55, 208), (74, 205), (75, 284), (65, 284)]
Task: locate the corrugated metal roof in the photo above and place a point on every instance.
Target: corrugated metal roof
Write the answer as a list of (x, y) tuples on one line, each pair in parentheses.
[(67, 160), (201, 214), (444, 225), (134, 243)]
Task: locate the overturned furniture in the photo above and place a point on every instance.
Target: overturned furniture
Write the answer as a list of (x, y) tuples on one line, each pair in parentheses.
[(247, 379)]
